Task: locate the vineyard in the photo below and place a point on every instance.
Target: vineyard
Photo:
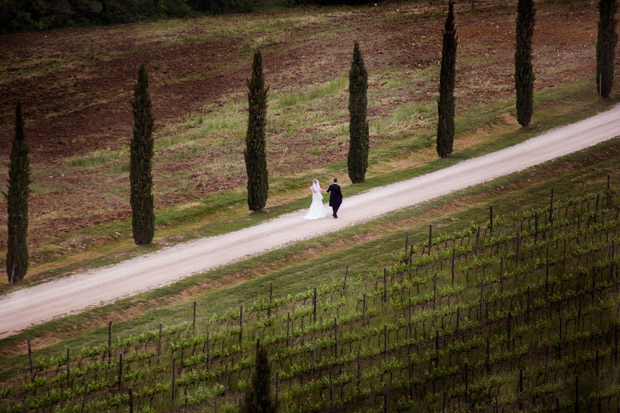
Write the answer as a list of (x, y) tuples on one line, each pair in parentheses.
[(520, 312)]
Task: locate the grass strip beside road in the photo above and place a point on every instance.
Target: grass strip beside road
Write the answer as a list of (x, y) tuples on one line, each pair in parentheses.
[(363, 248), (479, 131)]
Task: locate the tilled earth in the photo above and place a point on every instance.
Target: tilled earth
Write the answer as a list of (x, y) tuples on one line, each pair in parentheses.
[(75, 87)]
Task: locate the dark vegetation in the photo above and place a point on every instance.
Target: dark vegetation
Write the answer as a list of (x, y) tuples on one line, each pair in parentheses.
[(524, 72), (255, 154), (357, 160), (606, 46), (35, 15), (516, 313), (258, 397), (140, 171), (445, 105), (17, 196), (75, 87)]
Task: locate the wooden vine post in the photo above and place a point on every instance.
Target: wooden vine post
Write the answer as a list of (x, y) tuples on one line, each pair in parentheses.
[(453, 258), (385, 398), (521, 389), (288, 327), (335, 338), (270, 299), (68, 365), (84, 397), (130, 391), (120, 371), (159, 342), (551, 208), (501, 274), (109, 342), (364, 307), (31, 363), (466, 383), (608, 191), (430, 238), (406, 241), (384, 285), (435, 291), (481, 310), (385, 341), (488, 356), (314, 305), (508, 321), (359, 371), (207, 349), (240, 324), (194, 319), (410, 319), (174, 381)]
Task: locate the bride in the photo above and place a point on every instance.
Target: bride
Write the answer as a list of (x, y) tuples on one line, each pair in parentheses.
[(317, 210)]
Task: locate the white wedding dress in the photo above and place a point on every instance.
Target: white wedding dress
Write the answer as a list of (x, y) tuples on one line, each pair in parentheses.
[(317, 209)]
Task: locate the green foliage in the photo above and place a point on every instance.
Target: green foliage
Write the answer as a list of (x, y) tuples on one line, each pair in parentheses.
[(445, 107), (358, 125), (524, 76), (28, 15), (255, 142), (17, 203), (258, 398), (225, 6), (141, 180), (606, 46), (328, 2), (550, 313)]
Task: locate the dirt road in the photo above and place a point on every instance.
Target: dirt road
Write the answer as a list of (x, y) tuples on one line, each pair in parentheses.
[(77, 292)]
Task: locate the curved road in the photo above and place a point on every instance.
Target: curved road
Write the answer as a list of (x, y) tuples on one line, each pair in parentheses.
[(74, 293)]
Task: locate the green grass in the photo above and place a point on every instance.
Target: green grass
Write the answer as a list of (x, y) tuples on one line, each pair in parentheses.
[(403, 149), (332, 87), (365, 250), (315, 113), (225, 212), (358, 254)]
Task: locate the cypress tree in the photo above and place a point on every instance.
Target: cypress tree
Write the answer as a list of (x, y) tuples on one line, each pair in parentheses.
[(445, 106), (254, 153), (524, 76), (257, 398), (17, 203), (141, 179), (606, 46), (358, 125)]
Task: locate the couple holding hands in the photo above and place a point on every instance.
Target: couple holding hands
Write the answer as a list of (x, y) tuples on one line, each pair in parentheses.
[(317, 210)]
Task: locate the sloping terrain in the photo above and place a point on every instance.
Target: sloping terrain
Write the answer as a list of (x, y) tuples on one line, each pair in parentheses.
[(75, 87)]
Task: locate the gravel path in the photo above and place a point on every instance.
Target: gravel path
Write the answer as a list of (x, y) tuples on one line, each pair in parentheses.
[(72, 294)]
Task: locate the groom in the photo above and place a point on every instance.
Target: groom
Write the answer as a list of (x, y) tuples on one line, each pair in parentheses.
[(335, 197)]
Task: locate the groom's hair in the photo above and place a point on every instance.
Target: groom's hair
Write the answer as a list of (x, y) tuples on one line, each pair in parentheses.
[(335, 179)]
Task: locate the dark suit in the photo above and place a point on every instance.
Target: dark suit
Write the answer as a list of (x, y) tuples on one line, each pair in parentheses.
[(335, 198)]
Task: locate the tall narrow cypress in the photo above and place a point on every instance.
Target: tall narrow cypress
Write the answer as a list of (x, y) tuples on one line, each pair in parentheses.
[(255, 142), (141, 179), (606, 46), (258, 398), (17, 203), (524, 75), (358, 125), (445, 106)]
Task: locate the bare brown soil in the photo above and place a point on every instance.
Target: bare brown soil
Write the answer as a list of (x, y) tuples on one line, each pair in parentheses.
[(75, 86)]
